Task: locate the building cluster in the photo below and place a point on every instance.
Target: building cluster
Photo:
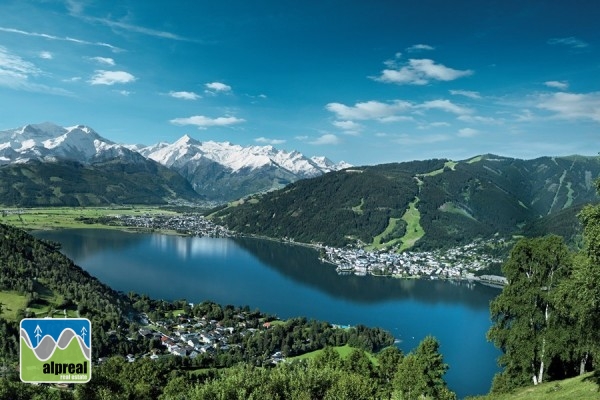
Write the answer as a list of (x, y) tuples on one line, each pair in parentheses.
[(455, 263), (189, 224), (190, 337)]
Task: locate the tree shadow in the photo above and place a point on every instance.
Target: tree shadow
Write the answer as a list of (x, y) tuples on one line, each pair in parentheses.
[(595, 378)]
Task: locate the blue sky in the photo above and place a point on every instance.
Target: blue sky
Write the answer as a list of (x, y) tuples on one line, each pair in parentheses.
[(365, 82)]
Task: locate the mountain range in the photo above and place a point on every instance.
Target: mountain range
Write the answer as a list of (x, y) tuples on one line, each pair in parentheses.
[(424, 204), (97, 166)]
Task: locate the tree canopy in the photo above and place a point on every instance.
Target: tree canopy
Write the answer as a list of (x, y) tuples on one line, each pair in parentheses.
[(546, 321)]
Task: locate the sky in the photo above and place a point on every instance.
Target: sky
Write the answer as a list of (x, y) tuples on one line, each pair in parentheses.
[(364, 82)]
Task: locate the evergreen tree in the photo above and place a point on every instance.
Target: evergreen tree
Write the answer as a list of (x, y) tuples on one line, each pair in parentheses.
[(420, 374), (432, 365)]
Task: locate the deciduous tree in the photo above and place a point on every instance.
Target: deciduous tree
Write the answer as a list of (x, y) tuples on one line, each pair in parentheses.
[(527, 326)]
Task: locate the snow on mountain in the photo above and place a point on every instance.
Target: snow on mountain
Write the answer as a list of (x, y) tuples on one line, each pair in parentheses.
[(220, 170), (236, 158), (46, 142), (327, 165)]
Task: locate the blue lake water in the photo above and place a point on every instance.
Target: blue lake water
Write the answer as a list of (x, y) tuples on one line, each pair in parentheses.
[(290, 281)]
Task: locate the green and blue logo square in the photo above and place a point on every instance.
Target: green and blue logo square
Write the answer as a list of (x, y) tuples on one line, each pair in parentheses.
[(56, 350)]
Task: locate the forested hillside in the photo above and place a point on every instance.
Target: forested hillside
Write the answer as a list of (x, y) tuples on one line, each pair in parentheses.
[(69, 183), (39, 281), (444, 203)]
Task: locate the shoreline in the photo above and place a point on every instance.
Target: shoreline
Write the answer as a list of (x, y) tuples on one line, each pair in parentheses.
[(350, 261)]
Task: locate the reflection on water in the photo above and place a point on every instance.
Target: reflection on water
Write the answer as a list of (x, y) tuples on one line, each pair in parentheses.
[(187, 247), (290, 281), (302, 265)]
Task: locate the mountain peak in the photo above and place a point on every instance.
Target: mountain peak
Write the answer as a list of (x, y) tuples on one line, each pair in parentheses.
[(42, 129), (186, 140), (220, 170)]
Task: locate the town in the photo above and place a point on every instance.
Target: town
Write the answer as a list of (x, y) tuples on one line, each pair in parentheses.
[(462, 262), (456, 263), (185, 224), (198, 337)]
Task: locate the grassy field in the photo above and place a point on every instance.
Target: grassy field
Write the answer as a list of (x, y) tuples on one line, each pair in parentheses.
[(580, 388), (391, 229), (44, 305), (11, 302), (66, 217), (358, 209), (448, 164), (453, 208), (414, 230)]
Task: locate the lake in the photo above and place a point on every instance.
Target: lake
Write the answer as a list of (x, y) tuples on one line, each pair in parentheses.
[(290, 281)]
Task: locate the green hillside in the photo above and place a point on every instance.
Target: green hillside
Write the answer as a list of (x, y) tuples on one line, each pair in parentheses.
[(67, 183), (457, 202), (580, 388), (36, 280)]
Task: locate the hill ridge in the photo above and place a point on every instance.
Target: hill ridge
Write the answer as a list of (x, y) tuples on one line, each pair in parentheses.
[(497, 196)]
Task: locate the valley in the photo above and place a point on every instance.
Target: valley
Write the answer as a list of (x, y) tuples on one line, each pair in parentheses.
[(337, 235)]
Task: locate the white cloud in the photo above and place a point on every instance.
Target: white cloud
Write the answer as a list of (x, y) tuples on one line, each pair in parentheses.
[(480, 119), (572, 105), (104, 60), (13, 66), (269, 141), (396, 118), (74, 7), (301, 138), (16, 72), (46, 55), (64, 39), (525, 116), (368, 110), (135, 28), (203, 122), (419, 47), (326, 139), (445, 105), (434, 125), (466, 93), (214, 87), (348, 126), (468, 132), (393, 111), (411, 140), (393, 63), (124, 92), (570, 41), (184, 95), (421, 72), (102, 77), (562, 85)]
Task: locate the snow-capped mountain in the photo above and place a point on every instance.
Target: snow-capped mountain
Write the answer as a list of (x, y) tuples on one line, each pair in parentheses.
[(218, 170), (224, 171), (49, 142), (237, 158)]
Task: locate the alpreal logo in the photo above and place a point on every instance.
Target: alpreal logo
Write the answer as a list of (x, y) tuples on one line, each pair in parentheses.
[(56, 350)]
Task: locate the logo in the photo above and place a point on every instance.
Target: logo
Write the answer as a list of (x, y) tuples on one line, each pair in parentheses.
[(56, 350)]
